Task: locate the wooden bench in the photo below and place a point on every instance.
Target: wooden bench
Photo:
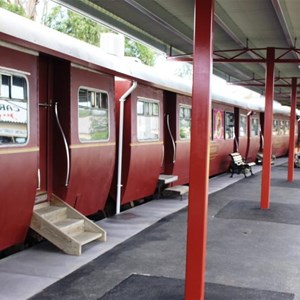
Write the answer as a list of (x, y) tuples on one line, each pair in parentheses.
[(239, 165)]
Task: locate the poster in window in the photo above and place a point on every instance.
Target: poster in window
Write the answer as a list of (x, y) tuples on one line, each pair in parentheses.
[(218, 123)]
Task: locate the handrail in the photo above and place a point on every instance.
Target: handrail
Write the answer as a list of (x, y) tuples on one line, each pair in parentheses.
[(39, 179), (163, 155), (236, 142), (172, 139), (66, 145)]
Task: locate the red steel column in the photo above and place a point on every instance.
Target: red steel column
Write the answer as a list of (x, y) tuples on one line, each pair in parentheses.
[(268, 126), (292, 130), (199, 153)]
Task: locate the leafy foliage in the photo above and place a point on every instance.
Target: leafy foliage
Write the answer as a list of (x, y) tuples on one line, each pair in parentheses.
[(73, 24), (89, 31), (13, 7), (82, 28), (135, 49)]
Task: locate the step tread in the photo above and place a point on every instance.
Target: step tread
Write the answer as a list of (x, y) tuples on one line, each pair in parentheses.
[(68, 222), (165, 179), (179, 189), (86, 237), (50, 209)]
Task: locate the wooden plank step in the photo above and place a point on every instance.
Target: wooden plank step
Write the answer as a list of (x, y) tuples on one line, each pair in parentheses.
[(165, 179), (70, 226), (52, 213), (86, 237), (177, 190)]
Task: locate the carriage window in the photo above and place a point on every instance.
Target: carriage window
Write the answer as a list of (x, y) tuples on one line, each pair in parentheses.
[(147, 120), (243, 125), (185, 122), (218, 124), (229, 125), (275, 127), (13, 109), (286, 127), (281, 126), (254, 126), (92, 115)]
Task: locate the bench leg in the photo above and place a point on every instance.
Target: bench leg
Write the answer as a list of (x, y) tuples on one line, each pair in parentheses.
[(251, 171)]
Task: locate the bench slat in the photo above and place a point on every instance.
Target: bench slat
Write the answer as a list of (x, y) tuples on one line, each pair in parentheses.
[(239, 165)]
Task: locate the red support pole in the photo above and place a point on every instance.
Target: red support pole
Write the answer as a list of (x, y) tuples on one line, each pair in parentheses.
[(268, 126), (292, 130), (199, 153)]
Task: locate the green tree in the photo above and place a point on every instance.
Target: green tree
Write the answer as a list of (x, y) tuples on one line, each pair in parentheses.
[(142, 52), (89, 31), (73, 24), (76, 25), (13, 7)]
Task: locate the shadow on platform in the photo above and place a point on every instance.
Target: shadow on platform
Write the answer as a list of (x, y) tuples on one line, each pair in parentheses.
[(250, 210), (144, 287)]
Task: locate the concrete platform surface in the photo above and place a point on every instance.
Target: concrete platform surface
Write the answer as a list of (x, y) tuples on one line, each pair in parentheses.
[(243, 254)]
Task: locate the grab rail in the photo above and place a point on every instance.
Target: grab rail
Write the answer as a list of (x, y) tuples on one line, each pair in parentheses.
[(65, 143), (39, 179), (163, 155), (172, 139)]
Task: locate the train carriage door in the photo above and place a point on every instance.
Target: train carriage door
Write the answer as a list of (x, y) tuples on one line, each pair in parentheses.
[(45, 124)]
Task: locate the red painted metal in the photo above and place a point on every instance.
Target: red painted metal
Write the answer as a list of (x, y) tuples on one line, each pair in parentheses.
[(253, 141), (292, 131), (180, 166), (220, 147), (268, 122), (280, 139), (92, 163), (199, 160), (19, 162), (142, 160)]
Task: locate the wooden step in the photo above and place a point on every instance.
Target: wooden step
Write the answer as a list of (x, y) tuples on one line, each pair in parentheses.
[(70, 226), (64, 227), (165, 179), (53, 213), (86, 237), (178, 190)]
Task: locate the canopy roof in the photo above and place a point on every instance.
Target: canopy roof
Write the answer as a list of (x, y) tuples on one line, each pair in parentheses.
[(251, 26)]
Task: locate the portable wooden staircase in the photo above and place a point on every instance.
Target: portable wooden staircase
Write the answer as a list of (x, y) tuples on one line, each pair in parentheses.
[(64, 227)]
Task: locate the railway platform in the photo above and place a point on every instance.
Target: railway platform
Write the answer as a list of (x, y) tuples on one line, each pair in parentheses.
[(251, 253)]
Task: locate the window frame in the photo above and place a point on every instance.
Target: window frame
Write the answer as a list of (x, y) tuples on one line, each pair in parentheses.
[(252, 132), (245, 117), (182, 105), (147, 100), (226, 125), (24, 75), (94, 90)]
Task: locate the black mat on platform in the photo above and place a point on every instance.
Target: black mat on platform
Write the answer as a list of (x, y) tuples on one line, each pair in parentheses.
[(141, 287), (250, 210), (284, 183)]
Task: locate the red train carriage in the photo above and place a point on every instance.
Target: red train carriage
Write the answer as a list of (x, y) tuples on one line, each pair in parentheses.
[(253, 135), (222, 137), (143, 140), (177, 131), (77, 134), (280, 135), (248, 133), (57, 126), (18, 141)]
